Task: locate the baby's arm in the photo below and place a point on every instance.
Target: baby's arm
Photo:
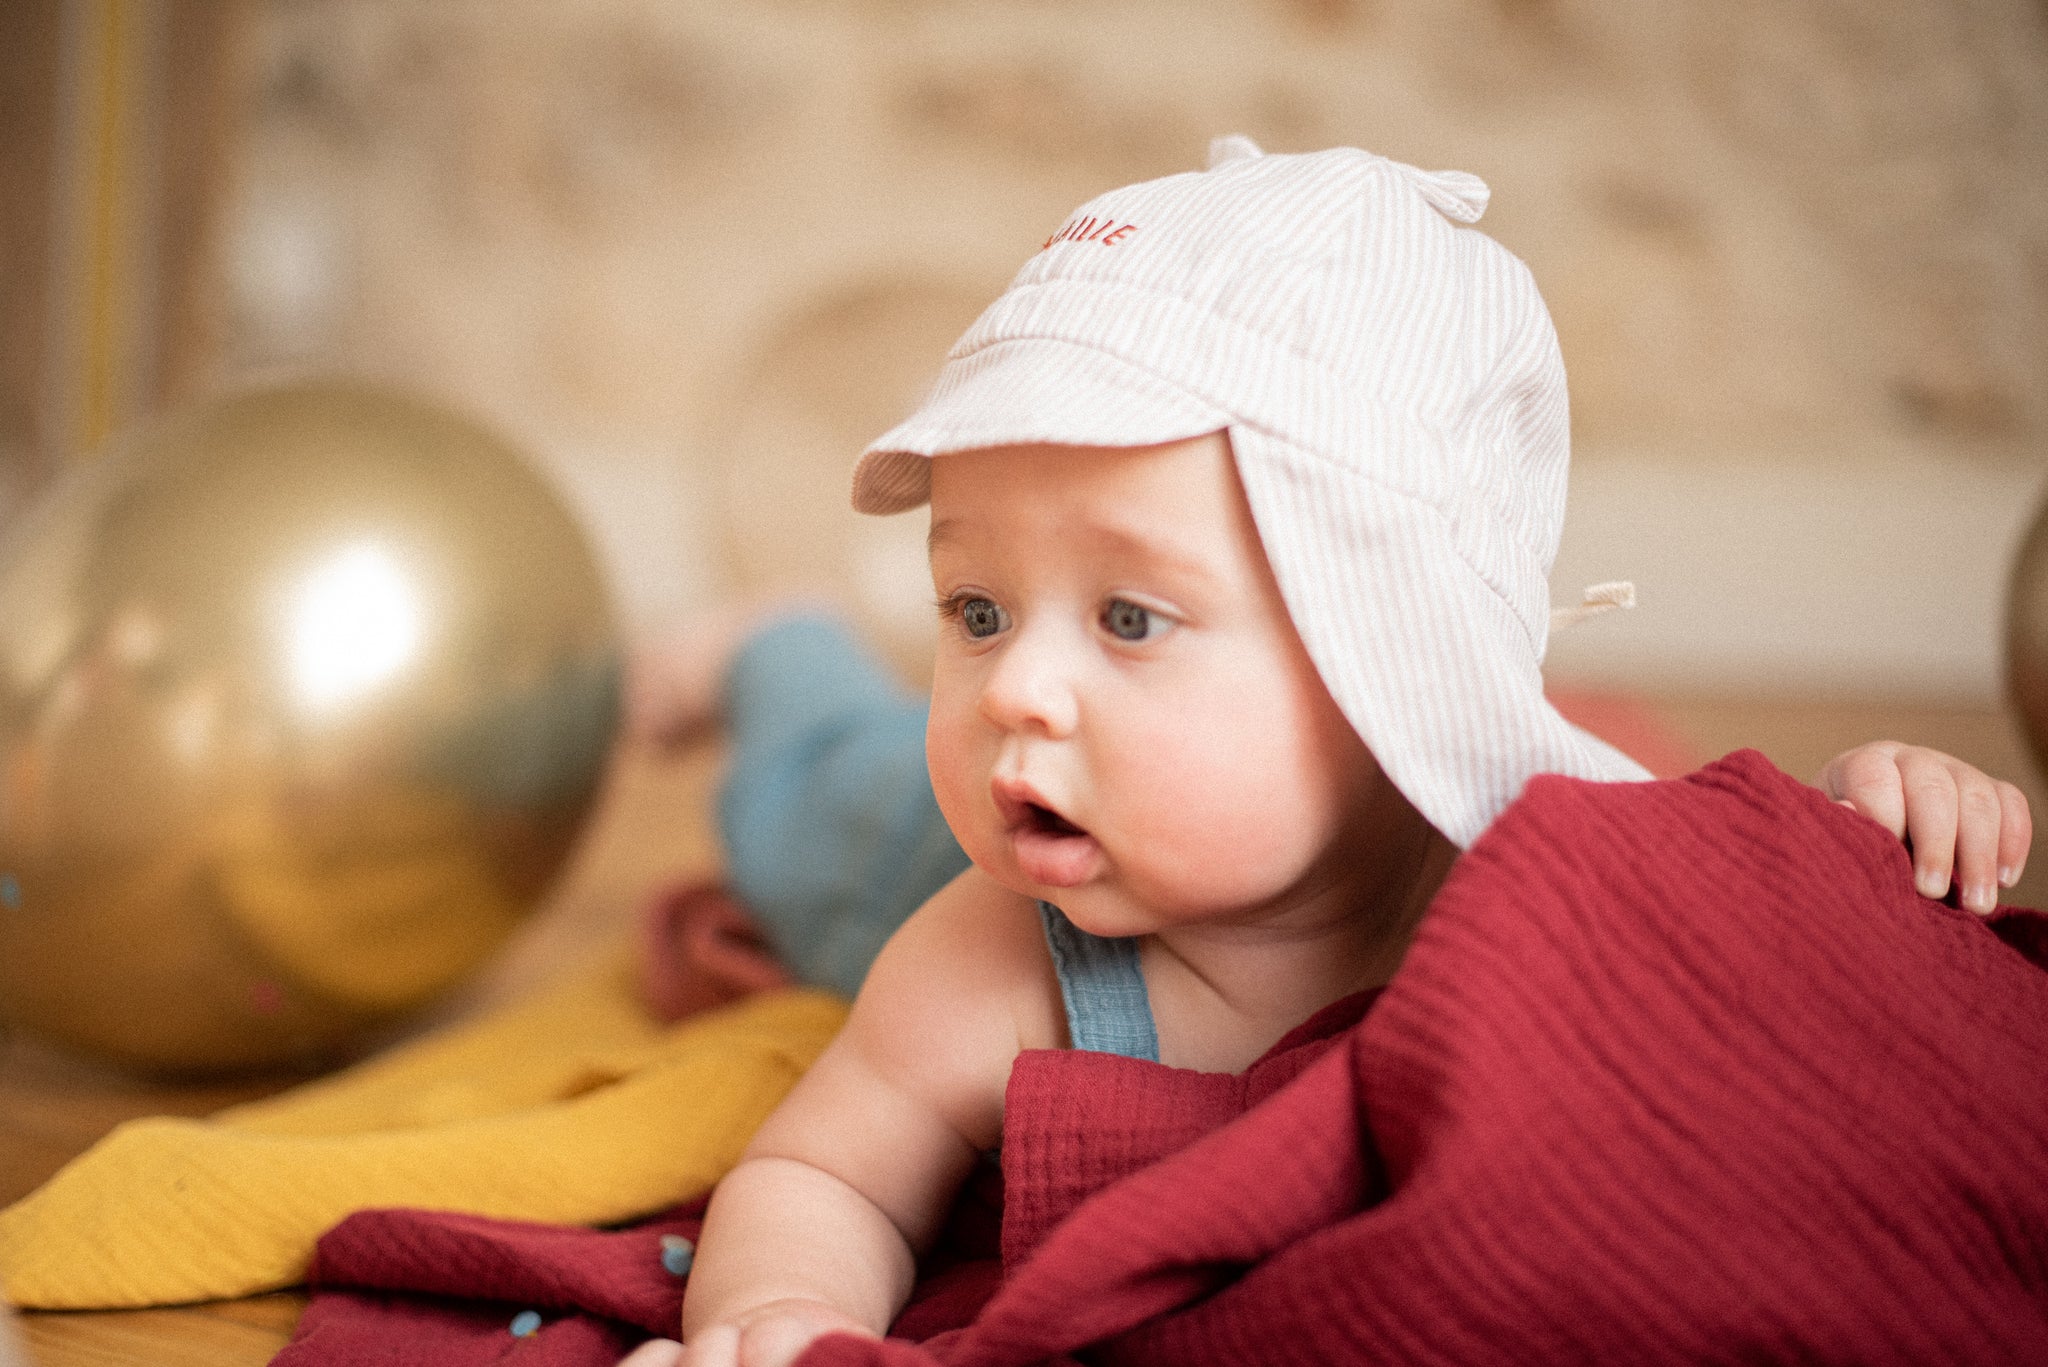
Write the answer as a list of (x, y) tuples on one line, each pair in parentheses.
[(1960, 821), (818, 1226)]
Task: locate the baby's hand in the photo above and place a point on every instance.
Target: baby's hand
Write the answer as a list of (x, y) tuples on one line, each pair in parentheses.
[(772, 1335), (1959, 820)]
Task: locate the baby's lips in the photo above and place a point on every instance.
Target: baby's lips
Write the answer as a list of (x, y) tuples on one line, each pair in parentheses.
[(1015, 801), (1022, 806)]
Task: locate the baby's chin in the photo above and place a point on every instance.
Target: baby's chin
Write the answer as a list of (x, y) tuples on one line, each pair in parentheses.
[(1003, 867), (1111, 914)]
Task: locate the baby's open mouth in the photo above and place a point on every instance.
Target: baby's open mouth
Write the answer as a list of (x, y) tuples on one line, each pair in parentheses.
[(1049, 850), (1024, 811), (1045, 845), (1048, 821)]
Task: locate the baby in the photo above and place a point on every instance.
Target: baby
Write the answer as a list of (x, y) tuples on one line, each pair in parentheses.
[(1243, 499)]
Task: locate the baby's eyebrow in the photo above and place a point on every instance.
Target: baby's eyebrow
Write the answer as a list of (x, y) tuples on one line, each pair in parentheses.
[(1121, 540), (1162, 552)]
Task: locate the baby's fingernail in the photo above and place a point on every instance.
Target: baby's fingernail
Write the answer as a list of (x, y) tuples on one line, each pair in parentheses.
[(1982, 899), (1931, 883), (2008, 876)]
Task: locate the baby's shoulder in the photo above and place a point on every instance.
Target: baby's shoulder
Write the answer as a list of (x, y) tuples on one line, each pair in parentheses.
[(968, 973), (976, 917)]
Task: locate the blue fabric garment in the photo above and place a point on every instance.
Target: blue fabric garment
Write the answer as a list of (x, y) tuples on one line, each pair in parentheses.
[(1103, 988), (832, 836)]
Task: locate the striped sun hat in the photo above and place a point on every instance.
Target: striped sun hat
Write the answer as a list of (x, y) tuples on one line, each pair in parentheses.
[(1393, 394)]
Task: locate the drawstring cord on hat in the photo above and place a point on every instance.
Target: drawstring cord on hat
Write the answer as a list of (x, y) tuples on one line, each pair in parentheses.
[(1598, 598)]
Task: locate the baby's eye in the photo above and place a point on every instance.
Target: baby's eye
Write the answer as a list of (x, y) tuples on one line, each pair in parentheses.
[(979, 618), (1127, 621)]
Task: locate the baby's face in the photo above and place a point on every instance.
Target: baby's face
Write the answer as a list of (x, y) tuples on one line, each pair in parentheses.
[(1124, 722)]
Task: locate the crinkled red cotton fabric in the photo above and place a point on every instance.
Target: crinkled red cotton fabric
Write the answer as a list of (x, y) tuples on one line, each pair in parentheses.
[(423, 1288), (1677, 1072), (1674, 1072)]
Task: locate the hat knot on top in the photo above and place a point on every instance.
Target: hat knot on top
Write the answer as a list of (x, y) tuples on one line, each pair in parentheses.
[(1459, 195), (1232, 147)]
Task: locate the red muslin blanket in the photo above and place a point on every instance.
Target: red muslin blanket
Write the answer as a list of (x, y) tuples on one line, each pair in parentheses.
[(1674, 1072)]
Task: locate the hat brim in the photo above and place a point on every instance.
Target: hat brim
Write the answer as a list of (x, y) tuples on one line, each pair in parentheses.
[(1026, 392)]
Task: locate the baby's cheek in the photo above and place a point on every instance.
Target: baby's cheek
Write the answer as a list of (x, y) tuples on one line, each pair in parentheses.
[(960, 763), (945, 757), (1222, 798)]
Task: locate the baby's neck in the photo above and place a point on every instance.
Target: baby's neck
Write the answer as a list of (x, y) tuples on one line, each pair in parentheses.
[(1224, 994)]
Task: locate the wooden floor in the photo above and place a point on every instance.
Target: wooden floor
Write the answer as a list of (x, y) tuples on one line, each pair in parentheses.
[(651, 825)]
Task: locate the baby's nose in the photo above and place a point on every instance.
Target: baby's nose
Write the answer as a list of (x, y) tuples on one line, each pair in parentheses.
[(1031, 686)]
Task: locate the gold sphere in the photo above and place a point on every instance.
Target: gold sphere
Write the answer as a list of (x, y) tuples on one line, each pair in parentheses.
[(305, 694), (2026, 638)]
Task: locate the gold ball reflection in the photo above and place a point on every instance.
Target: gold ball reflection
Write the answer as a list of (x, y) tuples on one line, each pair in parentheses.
[(2026, 638), (304, 696)]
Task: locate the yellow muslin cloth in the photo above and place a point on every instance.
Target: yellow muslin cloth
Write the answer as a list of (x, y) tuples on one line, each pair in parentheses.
[(573, 1106)]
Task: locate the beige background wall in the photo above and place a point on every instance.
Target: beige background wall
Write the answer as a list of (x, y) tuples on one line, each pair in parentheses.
[(696, 253)]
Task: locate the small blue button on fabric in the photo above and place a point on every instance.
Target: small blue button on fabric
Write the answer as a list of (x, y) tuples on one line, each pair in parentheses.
[(677, 1255), (526, 1324)]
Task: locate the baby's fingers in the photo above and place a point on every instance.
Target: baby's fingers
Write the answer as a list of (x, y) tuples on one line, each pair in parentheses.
[(1993, 830), (1965, 827), (715, 1346), (777, 1342), (1980, 838), (1869, 779), (2015, 834), (1934, 815), (654, 1353)]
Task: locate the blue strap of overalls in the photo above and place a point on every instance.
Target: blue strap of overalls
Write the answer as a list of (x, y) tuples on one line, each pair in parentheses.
[(1103, 988)]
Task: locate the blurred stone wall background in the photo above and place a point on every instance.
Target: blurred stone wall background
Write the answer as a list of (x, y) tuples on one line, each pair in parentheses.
[(697, 253)]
